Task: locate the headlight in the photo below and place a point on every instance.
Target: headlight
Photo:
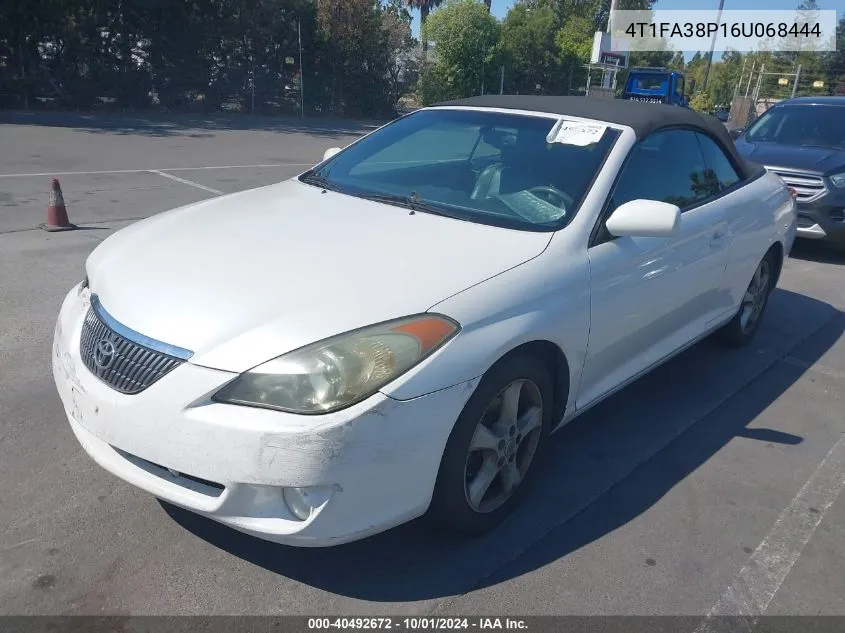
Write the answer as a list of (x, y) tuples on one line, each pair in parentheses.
[(340, 371), (838, 180)]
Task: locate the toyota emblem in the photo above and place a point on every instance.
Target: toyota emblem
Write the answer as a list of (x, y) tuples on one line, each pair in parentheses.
[(104, 354)]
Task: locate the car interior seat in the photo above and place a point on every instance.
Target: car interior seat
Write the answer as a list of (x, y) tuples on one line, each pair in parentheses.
[(515, 171)]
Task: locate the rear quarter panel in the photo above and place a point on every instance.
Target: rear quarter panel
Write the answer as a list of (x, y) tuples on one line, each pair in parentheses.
[(765, 214)]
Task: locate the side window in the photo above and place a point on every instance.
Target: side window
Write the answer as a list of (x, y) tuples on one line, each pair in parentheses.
[(716, 161), (667, 166)]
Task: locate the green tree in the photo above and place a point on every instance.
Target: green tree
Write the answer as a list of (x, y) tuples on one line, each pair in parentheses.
[(724, 77), (677, 62), (702, 102), (807, 56), (835, 62), (575, 42), (356, 40), (465, 40), (401, 66), (425, 7), (529, 48)]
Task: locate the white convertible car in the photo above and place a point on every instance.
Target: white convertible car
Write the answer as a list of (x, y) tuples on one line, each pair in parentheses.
[(396, 331)]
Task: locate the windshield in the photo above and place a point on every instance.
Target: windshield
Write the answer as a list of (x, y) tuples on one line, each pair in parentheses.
[(478, 166), (816, 125)]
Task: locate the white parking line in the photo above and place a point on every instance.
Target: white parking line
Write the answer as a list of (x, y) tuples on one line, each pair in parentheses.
[(185, 181), (140, 171), (756, 584), (16, 545)]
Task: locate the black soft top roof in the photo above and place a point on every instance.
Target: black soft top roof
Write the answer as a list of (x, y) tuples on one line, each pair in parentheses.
[(643, 118)]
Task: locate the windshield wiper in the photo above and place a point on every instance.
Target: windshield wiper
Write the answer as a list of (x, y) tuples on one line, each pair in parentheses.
[(414, 202), (319, 181)]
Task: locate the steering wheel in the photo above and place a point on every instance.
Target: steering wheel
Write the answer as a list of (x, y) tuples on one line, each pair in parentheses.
[(553, 195)]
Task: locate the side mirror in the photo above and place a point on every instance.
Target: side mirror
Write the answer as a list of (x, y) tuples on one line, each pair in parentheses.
[(736, 132), (644, 218), (330, 152)]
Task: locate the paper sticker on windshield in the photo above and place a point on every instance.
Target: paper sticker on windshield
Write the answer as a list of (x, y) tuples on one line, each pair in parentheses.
[(575, 133)]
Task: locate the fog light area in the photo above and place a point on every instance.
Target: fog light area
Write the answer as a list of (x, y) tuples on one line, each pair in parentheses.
[(303, 501)]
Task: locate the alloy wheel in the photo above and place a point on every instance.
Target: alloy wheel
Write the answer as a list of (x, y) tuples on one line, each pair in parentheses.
[(503, 446), (755, 297)]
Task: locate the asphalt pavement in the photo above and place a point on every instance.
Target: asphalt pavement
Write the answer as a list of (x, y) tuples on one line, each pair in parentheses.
[(710, 486)]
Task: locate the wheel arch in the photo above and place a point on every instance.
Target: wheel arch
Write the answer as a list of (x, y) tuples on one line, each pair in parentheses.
[(776, 249), (556, 363)]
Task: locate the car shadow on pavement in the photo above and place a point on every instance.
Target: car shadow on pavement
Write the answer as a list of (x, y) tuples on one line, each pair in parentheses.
[(601, 471), (188, 125), (818, 252)]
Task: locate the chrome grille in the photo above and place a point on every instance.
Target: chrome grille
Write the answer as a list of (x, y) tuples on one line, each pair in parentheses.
[(121, 363), (808, 188)]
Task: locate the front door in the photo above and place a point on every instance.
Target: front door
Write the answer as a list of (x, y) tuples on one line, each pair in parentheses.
[(651, 296)]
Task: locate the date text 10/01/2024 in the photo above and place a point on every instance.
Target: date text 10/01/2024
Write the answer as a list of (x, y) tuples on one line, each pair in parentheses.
[(416, 624)]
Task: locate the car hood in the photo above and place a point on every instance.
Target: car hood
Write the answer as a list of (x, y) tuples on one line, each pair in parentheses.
[(246, 277), (819, 160)]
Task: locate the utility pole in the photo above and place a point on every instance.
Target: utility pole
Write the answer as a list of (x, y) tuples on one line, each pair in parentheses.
[(795, 81), (741, 75), (750, 75), (610, 15), (301, 74), (759, 85), (606, 78), (712, 46), (502, 81), (483, 55)]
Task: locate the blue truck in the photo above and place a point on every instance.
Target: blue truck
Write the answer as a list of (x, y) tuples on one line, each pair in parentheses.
[(656, 85)]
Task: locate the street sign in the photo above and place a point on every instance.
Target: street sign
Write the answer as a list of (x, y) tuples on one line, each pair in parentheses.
[(289, 61), (613, 59), (818, 84), (783, 81), (608, 52)]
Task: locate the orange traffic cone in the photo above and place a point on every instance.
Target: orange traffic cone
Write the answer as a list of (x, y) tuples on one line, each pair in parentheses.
[(57, 219)]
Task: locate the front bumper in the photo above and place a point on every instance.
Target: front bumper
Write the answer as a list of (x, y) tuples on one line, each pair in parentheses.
[(822, 220), (371, 466)]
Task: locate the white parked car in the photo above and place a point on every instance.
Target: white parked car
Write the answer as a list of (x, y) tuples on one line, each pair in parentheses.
[(399, 329)]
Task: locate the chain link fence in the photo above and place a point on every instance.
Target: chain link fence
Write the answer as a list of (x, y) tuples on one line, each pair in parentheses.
[(761, 88), (283, 67), (240, 79)]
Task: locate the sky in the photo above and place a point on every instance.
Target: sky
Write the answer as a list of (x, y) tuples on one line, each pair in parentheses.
[(500, 9)]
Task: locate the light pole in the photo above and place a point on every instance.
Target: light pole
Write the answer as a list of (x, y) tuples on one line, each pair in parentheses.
[(606, 79), (301, 74), (712, 47), (795, 82)]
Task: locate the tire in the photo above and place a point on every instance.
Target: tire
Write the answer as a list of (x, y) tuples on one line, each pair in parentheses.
[(740, 330), (451, 508)]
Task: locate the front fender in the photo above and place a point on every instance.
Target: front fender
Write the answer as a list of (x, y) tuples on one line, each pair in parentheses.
[(540, 300)]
